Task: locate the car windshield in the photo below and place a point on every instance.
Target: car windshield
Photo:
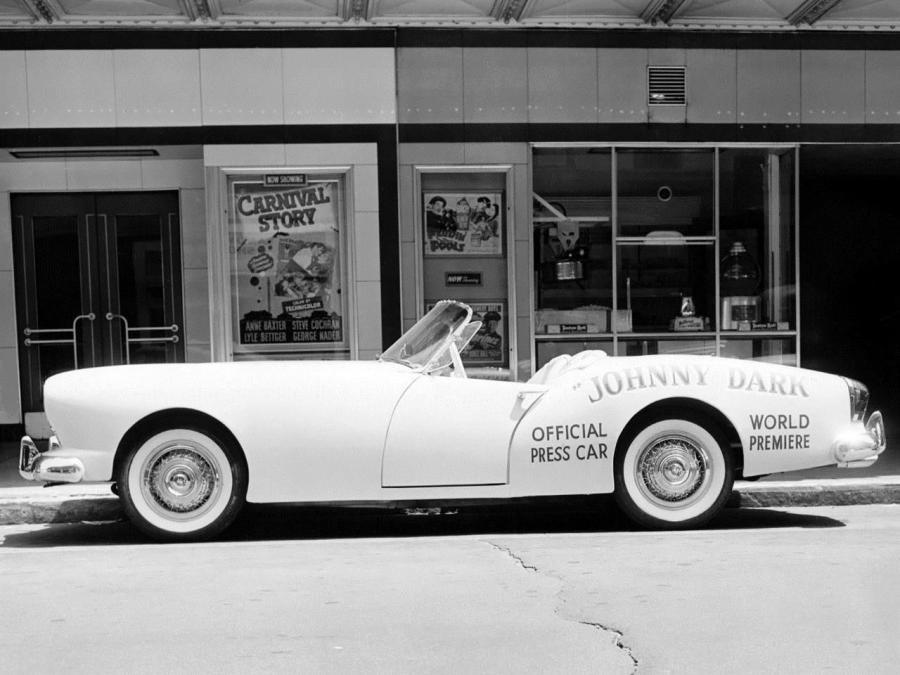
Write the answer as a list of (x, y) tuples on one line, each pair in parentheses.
[(431, 337)]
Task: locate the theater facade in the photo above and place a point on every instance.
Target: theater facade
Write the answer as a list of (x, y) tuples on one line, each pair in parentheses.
[(298, 188)]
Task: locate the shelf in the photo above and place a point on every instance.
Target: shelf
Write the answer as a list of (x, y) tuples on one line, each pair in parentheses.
[(758, 333), (668, 335), (577, 337)]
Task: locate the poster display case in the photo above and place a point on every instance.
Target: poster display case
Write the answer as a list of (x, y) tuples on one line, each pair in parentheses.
[(287, 243), (648, 250), (463, 229)]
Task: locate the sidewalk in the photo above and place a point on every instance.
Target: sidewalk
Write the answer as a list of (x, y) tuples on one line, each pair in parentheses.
[(23, 502)]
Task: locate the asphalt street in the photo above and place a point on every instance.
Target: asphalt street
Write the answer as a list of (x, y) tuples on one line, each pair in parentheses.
[(792, 590)]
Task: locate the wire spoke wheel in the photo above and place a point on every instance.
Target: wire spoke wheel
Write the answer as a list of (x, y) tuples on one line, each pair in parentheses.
[(181, 480), (673, 472), (182, 483)]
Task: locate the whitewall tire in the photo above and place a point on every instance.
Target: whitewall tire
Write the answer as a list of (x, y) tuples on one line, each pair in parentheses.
[(674, 472), (182, 484)]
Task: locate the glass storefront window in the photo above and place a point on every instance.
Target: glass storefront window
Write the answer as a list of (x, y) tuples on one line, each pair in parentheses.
[(665, 191), (756, 223), (287, 243), (690, 266), (572, 207)]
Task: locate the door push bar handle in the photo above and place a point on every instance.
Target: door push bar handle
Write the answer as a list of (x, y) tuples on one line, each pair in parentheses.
[(58, 341), (137, 329)]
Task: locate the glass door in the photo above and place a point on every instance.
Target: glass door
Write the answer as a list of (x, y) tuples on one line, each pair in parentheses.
[(97, 283)]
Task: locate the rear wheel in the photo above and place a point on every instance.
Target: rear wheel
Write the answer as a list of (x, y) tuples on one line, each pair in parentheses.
[(183, 483), (675, 471)]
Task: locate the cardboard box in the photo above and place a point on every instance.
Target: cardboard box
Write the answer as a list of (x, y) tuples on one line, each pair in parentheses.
[(579, 320)]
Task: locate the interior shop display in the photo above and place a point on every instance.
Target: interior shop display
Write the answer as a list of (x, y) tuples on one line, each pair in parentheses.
[(634, 245), (740, 281)]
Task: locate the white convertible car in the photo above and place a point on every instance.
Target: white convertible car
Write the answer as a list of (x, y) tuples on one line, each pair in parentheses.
[(187, 445)]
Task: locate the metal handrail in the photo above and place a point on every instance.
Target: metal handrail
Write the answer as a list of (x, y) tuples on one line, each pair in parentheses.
[(138, 329), (58, 341)]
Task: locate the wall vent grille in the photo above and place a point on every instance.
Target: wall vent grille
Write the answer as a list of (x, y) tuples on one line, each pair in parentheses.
[(666, 85)]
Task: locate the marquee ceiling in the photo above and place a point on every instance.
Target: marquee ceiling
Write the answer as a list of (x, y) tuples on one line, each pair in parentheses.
[(763, 15)]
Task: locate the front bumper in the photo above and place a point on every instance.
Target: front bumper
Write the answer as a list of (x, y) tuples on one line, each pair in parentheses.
[(48, 467), (860, 446)]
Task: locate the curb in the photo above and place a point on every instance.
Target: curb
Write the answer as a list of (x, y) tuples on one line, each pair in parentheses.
[(74, 504), (58, 504), (826, 492)]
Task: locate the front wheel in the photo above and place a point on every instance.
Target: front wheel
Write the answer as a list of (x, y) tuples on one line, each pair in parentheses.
[(182, 484), (674, 472)]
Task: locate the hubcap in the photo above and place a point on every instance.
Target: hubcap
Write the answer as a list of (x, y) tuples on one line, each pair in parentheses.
[(672, 470), (180, 480)]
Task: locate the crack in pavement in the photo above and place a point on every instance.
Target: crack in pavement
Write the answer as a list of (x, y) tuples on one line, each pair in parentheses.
[(617, 641), (512, 555), (616, 635)]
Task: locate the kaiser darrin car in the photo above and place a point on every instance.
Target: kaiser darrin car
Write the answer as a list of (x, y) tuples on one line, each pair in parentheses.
[(187, 445)]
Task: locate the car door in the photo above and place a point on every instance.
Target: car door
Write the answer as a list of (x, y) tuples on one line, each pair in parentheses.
[(454, 431)]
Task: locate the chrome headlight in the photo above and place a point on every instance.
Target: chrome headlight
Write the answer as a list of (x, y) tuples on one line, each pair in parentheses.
[(859, 399)]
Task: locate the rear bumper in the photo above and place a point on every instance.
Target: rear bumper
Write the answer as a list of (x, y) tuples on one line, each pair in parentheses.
[(860, 446), (47, 466)]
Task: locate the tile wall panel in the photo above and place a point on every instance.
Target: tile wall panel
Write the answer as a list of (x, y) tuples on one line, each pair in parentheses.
[(408, 253), (833, 87), (430, 85), (241, 86), (711, 86), (263, 154), (562, 85), (882, 87), (368, 315), (70, 88), (46, 175), (168, 174), (431, 153), (197, 352), (495, 85), (768, 86), (496, 153), (523, 339), (196, 306), (7, 299), (367, 253), (6, 245), (339, 86), (524, 271), (365, 187), (622, 85), (103, 175), (157, 87), (193, 229), (323, 154), (407, 203), (10, 403), (521, 203), (14, 102)]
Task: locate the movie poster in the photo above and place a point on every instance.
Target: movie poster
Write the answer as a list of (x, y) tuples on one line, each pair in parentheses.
[(463, 223), (286, 263), (488, 346)]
